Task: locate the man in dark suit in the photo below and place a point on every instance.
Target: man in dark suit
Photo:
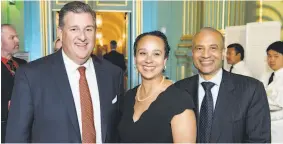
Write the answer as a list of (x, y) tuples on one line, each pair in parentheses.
[(230, 108), (68, 96), (115, 57), (9, 64)]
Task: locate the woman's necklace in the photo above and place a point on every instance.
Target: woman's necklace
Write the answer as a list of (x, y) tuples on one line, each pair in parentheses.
[(140, 100)]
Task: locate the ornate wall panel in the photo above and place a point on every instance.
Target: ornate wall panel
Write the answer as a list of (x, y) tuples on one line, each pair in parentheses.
[(270, 11), (197, 14)]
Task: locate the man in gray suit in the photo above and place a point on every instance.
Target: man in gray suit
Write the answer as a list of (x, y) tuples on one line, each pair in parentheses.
[(68, 96), (230, 108)]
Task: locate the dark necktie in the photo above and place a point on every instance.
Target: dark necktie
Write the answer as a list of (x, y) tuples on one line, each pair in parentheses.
[(88, 128), (231, 68), (271, 78), (12, 66), (206, 113)]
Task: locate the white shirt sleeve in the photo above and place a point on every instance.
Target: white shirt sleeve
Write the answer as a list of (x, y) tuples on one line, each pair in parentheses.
[(275, 99)]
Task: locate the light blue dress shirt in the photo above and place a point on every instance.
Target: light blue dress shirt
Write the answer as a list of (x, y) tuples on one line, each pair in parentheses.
[(215, 89)]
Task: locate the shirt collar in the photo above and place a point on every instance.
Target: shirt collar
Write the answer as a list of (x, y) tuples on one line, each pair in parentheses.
[(5, 60), (278, 72), (216, 79), (240, 63), (72, 66)]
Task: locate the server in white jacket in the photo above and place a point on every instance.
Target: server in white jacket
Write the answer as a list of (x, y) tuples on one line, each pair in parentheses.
[(235, 56), (273, 83)]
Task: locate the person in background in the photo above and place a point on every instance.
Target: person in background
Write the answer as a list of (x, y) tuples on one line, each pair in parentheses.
[(115, 57), (156, 111), (57, 44), (9, 65), (273, 82), (235, 57), (68, 96), (230, 108)]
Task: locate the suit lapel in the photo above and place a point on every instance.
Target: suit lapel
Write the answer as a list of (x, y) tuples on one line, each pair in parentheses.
[(60, 75), (224, 96), (102, 89), (191, 87), (6, 71)]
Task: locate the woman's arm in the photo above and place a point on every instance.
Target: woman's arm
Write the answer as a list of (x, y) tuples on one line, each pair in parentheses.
[(183, 127)]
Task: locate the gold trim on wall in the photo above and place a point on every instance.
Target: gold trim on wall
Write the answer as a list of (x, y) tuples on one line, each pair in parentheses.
[(235, 10), (229, 10), (190, 14), (223, 15), (244, 16), (187, 37), (184, 17), (218, 17), (58, 2), (213, 14), (138, 17), (43, 27), (239, 12), (260, 10), (185, 45), (112, 4), (183, 69)]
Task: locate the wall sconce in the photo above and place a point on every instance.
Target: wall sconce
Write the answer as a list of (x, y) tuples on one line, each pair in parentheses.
[(12, 2), (98, 20)]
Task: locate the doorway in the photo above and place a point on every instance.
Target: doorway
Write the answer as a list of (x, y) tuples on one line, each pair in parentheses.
[(110, 26), (113, 26)]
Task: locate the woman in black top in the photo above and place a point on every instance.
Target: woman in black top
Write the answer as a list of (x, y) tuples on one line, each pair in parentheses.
[(156, 111)]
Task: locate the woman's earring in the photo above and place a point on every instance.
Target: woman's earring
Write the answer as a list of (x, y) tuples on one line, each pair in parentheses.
[(164, 68)]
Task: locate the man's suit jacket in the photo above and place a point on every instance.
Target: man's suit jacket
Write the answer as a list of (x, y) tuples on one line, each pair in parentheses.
[(43, 110), (241, 112), (7, 83), (116, 58)]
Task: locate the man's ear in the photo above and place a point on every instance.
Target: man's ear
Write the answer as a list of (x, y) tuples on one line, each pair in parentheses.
[(239, 55), (59, 33)]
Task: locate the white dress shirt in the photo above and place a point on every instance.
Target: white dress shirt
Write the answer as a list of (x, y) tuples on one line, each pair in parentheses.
[(275, 99), (241, 69), (74, 76), (214, 90), (274, 93)]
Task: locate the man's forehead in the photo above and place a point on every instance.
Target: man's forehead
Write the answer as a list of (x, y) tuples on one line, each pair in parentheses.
[(274, 52), (71, 15), (9, 30)]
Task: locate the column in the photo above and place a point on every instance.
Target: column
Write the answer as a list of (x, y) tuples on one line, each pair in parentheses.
[(192, 22)]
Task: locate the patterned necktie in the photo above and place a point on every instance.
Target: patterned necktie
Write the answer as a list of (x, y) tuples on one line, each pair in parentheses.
[(88, 129), (231, 68), (206, 113), (12, 66), (271, 78)]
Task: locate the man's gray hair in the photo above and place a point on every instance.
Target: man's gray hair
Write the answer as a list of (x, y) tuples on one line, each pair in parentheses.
[(75, 7)]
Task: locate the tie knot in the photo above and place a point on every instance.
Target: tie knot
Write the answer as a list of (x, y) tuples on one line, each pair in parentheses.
[(231, 68), (272, 74), (271, 78), (207, 85), (81, 70)]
